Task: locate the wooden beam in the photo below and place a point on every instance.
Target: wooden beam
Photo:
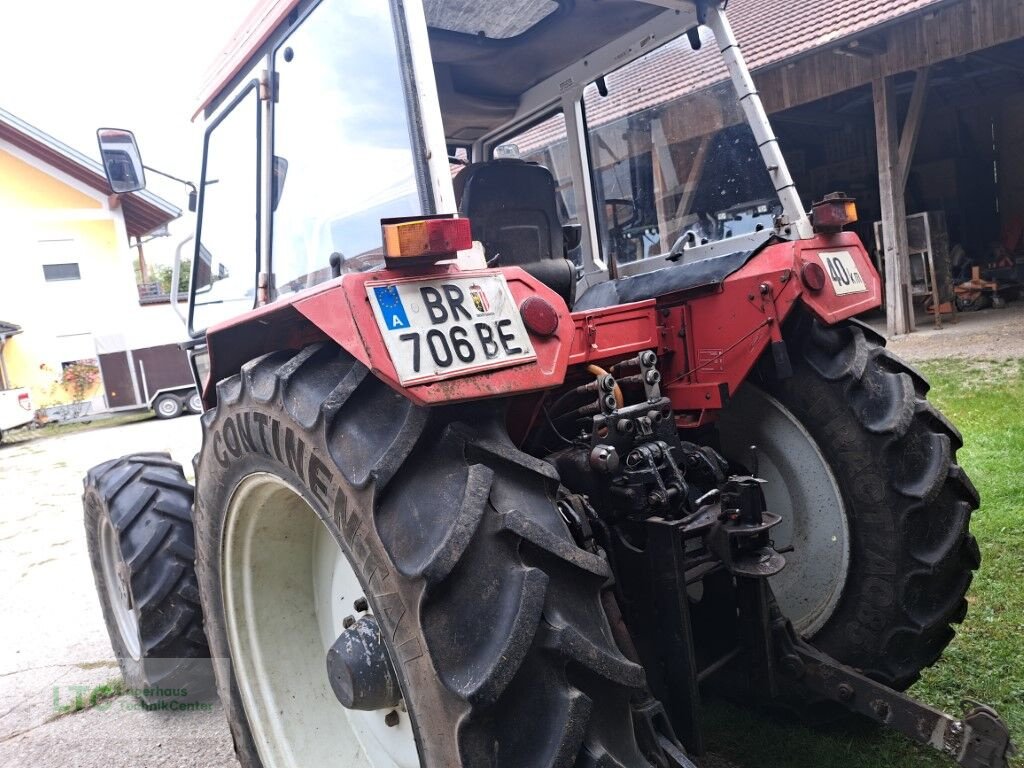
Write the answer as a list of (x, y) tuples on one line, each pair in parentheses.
[(693, 178), (912, 126), (899, 313)]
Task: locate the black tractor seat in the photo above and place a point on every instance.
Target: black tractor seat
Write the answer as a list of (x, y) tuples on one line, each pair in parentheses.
[(512, 207)]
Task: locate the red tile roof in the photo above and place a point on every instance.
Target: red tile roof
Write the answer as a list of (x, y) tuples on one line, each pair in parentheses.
[(769, 33)]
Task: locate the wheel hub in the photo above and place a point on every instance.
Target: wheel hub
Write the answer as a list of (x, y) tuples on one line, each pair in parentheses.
[(803, 490), (359, 668)]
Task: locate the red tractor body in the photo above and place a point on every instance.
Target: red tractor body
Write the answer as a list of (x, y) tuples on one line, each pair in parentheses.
[(710, 333)]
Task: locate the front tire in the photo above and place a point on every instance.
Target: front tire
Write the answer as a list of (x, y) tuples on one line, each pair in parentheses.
[(903, 503), (489, 612), (138, 526)]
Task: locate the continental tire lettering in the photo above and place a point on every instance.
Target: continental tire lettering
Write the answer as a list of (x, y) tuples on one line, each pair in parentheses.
[(408, 649), (245, 431), (294, 449), (275, 434), (231, 438), (375, 572), (218, 450), (261, 424), (343, 518), (320, 479)]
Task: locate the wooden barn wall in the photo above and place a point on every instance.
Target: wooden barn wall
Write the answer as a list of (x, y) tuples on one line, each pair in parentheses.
[(945, 33), (1010, 138)]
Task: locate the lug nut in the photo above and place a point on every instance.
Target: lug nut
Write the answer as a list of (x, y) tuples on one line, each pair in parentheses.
[(609, 402), (361, 605), (648, 358), (391, 719), (608, 383), (652, 377), (348, 621)]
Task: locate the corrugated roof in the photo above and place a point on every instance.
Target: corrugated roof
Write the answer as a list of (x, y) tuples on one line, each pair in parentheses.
[(143, 211)]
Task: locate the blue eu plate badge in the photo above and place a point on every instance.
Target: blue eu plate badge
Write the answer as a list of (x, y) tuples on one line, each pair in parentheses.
[(391, 307)]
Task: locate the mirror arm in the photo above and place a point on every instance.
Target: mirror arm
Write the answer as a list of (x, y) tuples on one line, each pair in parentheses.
[(157, 171), (192, 190)]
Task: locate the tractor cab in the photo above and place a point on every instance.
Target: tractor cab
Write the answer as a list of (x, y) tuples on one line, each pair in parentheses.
[(584, 142)]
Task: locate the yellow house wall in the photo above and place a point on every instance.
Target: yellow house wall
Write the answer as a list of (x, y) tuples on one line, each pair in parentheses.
[(26, 186), (45, 218)]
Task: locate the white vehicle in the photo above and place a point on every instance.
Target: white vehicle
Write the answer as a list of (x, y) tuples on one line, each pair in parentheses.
[(15, 410)]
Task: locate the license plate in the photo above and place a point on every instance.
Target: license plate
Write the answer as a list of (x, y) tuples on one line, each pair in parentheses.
[(842, 271), (439, 328)]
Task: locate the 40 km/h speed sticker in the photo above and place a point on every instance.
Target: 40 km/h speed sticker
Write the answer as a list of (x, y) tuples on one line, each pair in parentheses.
[(439, 328), (843, 272)]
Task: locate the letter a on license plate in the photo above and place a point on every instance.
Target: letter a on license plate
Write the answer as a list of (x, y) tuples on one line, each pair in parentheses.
[(439, 328)]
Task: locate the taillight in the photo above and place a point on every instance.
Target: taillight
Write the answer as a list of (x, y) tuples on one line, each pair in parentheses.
[(813, 276), (24, 401), (834, 212), (539, 316), (423, 240)]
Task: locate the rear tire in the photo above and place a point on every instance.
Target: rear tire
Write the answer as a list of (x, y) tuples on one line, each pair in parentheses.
[(907, 502), (490, 613), (138, 525)]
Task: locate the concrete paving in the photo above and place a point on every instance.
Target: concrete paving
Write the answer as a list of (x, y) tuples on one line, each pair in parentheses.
[(990, 334), (53, 642)]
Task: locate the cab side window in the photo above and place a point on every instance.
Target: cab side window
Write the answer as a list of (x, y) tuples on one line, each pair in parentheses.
[(225, 258), (343, 157)]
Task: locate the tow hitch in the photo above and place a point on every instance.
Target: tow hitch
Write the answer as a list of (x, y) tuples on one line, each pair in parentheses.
[(770, 661)]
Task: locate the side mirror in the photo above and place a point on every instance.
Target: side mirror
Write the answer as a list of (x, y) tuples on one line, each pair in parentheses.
[(280, 173), (203, 273), (121, 160)]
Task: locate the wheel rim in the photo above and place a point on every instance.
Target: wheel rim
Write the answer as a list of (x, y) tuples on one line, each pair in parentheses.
[(118, 594), (287, 588), (195, 404), (167, 407), (802, 488)]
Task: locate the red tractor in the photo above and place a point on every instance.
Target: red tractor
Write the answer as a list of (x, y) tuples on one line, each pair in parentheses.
[(535, 406)]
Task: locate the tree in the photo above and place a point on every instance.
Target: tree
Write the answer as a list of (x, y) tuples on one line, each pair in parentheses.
[(162, 275)]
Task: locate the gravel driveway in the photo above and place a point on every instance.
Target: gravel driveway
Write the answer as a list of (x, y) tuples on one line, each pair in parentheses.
[(53, 643)]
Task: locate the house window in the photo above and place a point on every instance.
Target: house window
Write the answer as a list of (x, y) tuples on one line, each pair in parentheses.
[(55, 272)]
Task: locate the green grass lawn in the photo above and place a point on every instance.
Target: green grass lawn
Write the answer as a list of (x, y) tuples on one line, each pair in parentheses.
[(985, 662), (57, 429)]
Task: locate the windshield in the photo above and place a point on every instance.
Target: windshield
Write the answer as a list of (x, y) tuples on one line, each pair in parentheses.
[(343, 157), (674, 175)]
